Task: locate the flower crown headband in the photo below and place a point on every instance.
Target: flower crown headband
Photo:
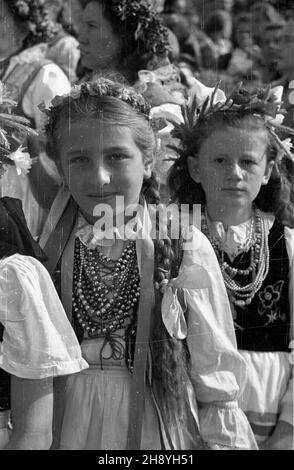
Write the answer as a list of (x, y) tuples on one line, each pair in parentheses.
[(35, 13), (263, 103), (12, 128), (99, 88)]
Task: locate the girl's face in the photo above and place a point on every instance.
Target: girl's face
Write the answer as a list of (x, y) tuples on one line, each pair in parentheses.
[(11, 34), (100, 46), (286, 50), (231, 167), (244, 35), (99, 162)]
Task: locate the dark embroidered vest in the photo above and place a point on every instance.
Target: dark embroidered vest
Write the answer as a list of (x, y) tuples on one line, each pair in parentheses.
[(4, 383), (264, 324)]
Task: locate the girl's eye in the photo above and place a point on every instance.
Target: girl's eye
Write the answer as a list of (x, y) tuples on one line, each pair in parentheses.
[(117, 157), (91, 25), (219, 160), (78, 159), (247, 162)]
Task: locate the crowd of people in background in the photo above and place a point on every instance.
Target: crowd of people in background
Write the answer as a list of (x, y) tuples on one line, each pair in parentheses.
[(232, 41)]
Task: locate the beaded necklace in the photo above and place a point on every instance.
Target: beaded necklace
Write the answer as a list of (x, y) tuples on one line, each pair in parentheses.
[(242, 294), (105, 291)]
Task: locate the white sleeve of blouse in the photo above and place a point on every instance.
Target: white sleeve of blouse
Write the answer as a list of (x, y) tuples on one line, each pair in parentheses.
[(286, 405), (218, 371), (38, 339)]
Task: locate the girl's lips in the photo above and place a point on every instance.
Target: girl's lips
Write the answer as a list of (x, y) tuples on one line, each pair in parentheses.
[(101, 197), (233, 189)]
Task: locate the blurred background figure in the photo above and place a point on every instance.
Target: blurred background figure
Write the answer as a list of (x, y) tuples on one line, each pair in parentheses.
[(205, 8), (270, 49), (63, 48), (286, 69), (218, 28), (26, 31), (263, 14), (245, 52), (188, 40)]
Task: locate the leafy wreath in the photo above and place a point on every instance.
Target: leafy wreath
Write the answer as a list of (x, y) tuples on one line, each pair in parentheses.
[(34, 12), (259, 103), (13, 130), (97, 87)]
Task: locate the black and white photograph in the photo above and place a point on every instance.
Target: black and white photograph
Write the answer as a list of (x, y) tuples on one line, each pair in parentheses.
[(146, 228)]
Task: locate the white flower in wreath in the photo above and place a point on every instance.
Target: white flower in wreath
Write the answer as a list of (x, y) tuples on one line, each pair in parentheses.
[(276, 95), (22, 161)]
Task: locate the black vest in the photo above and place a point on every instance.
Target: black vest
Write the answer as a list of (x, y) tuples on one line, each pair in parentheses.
[(264, 324)]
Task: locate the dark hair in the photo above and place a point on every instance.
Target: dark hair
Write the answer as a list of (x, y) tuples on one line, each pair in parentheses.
[(217, 22), (169, 354), (276, 197)]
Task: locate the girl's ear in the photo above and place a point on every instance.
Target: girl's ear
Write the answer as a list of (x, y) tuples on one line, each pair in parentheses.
[(193, 168), (268, 172)]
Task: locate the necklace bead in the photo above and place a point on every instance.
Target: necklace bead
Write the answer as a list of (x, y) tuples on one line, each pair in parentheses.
[(242, 294), (105, 292)]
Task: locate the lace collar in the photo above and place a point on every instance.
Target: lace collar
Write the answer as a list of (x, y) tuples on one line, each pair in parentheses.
[(237, 238), (93, 237)]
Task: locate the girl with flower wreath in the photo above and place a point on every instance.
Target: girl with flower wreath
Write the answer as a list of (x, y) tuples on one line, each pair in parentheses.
[(234, 164), (127, 38), (151, 365), (37, 342)]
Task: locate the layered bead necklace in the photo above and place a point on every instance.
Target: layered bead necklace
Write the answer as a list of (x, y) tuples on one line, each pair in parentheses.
[(242, 294), (105, 291)]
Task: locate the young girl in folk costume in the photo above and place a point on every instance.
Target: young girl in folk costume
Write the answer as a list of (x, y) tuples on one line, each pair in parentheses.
[(102, 141), (234, 164), (37, 342)]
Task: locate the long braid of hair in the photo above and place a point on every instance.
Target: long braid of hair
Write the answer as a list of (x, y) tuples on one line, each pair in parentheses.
[(169, 355)]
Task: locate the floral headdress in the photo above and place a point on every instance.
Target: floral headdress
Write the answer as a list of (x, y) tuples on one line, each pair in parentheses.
[(97, 87), (263, 103), (142, 23), (12, 129), (34, 12), (144, 20)]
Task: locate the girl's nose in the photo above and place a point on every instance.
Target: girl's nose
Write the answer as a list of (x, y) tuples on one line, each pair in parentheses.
[(82, 36), (235, 172), (101, 175)]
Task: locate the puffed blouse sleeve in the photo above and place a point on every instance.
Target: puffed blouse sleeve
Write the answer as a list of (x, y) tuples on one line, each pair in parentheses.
[(286, 405), (38, 340), (196, 307)]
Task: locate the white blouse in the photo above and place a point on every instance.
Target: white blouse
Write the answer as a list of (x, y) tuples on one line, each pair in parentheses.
[(38, 340), (49, 82)]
